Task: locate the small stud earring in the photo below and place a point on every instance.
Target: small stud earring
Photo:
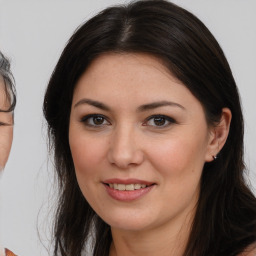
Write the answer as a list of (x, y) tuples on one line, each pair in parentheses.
[(214, 157)]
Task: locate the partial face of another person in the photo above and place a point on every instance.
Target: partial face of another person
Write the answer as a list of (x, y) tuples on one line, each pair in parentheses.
[(139, 140), (6, 126)]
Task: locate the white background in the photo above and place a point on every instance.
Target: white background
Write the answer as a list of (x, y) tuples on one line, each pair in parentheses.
[(32, 35)]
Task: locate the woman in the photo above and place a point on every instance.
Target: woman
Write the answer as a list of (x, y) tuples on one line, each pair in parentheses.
[(146, 126), (7, 104)]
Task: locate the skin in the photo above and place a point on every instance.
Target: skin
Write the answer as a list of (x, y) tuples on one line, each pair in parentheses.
[(6, 127), (127, 142), (6, 136)]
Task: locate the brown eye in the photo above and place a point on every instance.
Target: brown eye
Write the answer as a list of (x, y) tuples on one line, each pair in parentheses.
[(159, 121), (95, 120), (98, 120)]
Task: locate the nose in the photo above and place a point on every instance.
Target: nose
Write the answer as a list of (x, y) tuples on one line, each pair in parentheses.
[(125, 150)]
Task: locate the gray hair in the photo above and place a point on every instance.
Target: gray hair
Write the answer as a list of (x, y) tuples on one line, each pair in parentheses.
[(9, 83)]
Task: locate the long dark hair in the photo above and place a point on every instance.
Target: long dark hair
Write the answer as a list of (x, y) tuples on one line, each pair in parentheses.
[(225, 220)]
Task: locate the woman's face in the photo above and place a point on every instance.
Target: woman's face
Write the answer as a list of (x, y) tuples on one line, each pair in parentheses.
[(6, 126), (139, 140)]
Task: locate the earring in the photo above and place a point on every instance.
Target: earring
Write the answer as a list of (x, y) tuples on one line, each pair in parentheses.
[(214, 157)]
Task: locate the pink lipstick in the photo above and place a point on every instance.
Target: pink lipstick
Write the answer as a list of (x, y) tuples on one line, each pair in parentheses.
[(127, 190)]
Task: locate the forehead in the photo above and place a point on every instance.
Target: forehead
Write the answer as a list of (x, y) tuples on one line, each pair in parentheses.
[(123, 80), (125, 70), (147, 62)]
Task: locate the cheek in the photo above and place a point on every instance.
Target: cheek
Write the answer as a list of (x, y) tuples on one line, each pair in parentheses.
[(89, 161), (178, 157), (88, 154), (180, 164), (6, 135)]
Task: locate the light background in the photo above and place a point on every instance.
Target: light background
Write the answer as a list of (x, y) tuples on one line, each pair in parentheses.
[(33, 34)]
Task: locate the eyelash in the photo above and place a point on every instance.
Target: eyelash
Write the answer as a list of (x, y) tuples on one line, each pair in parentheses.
[(166, 119), (87, 118)]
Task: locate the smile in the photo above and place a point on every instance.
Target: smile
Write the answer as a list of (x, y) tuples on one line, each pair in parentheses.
[(127, 190), (128, 187)]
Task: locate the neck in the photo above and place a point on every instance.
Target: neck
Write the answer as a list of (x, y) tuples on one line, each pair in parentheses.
[(164, 240)]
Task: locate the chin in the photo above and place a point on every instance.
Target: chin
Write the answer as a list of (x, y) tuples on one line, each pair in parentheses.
[(129, 222), (130, 226)]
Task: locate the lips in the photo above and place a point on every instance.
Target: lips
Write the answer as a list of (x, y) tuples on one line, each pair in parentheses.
[(127, 190)]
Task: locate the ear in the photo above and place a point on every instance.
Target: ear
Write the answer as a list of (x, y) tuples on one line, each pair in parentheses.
[(218, 135)]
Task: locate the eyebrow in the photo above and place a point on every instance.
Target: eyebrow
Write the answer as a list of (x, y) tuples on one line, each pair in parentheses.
[(94, 103), (159, 104), (5, 124), (141, 108)]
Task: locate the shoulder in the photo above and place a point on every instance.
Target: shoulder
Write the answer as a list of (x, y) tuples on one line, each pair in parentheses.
[(250, 251)]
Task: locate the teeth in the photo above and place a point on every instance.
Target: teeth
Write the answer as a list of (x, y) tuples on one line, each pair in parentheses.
[(137, 186), (121, 186), (128, 187)]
